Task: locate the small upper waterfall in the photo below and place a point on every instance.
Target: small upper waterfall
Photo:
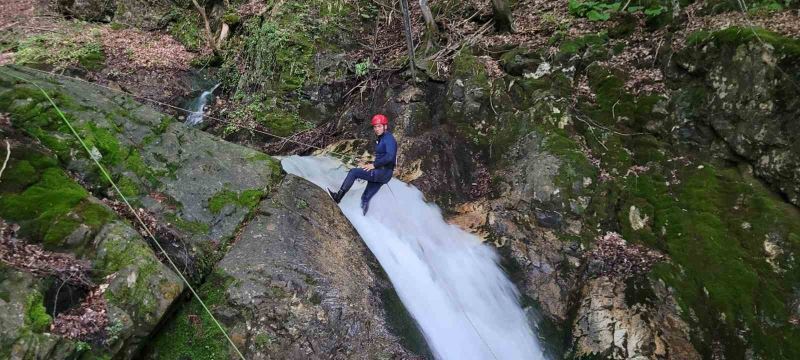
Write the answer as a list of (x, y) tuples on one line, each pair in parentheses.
[(449, 281), (196, 116)]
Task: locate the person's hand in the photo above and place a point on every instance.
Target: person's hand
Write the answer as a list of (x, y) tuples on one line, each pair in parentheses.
[(368, 167)]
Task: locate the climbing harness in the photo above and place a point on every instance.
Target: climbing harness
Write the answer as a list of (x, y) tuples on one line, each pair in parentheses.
[(135, 213)]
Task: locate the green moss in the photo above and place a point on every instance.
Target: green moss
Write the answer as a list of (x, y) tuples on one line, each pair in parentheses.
[(262, 340), (246, 199), (19, 175), (128, 187), (596, 42), (231, 18), (61, 50), (162, 127), (105, 141), (36, 317), (187, 29), (574, 164), (135, 163), (192, 227), (192, 334), (784, 45), (279, 122), (43, 209), (720, 270), (279, 51), (120, 250), (274, 165), (741, 35)]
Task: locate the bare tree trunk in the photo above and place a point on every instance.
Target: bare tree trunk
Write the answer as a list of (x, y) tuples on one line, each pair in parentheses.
[(209, 35), (428, 16), (503, 21)]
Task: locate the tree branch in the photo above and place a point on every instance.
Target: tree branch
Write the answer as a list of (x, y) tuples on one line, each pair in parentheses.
[(8, 155), (209, 36)]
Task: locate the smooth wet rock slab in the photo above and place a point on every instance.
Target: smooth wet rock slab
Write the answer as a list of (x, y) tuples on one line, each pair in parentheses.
[(299, 285)]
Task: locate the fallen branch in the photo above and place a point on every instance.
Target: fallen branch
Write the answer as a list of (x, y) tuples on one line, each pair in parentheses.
[(8, 155)]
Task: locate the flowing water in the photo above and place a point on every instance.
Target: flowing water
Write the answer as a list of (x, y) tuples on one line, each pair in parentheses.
[(448, 280), (196, 116)]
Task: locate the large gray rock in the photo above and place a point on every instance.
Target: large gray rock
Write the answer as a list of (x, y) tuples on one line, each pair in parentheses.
[(301, 285), (204, 188), (20, 337), (141, 291)]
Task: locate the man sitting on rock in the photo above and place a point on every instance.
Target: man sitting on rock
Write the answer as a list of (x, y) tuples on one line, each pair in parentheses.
[(377, 173)]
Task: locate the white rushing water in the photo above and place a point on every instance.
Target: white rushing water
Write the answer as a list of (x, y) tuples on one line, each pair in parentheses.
[(196, 116), (448, 280)]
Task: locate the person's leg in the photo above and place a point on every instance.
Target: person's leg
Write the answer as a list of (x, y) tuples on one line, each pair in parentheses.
[(370, 191), (352, 175)]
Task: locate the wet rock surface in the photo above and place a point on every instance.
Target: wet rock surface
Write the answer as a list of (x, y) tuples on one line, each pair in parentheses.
[(300, 285)]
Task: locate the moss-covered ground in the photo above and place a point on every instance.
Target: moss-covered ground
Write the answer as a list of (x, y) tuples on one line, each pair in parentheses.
[(246, 199), (47, 204), (193, 334), (717, 225)]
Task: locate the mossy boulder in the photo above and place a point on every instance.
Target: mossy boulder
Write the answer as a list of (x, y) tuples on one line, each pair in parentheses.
[(52, 209), (732, 245), (519, 61), (87, 10), (147, 15), (161, 165), (141, 291), (747, 96)]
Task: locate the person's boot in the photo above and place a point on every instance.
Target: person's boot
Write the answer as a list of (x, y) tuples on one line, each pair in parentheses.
[(336, 196), (365, 207)]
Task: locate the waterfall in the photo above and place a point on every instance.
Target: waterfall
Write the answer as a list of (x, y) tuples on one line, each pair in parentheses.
[(450, 282), (196, 116)]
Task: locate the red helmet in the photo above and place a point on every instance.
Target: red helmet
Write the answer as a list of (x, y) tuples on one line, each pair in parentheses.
[(380, 119)]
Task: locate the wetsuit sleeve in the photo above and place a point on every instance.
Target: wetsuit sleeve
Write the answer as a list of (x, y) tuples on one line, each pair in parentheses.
[(388, 156)]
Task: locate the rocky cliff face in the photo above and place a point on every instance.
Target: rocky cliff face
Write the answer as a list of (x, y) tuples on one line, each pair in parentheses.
[(667, 171), (297, 284), (279, 289), (639, 177)]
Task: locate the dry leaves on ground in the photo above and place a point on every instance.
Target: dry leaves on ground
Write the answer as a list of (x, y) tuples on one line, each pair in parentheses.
[(34, 259), (612, 256), (87, 320), (136, 49)]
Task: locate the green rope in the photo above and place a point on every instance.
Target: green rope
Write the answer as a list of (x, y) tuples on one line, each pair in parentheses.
[(124, 199)]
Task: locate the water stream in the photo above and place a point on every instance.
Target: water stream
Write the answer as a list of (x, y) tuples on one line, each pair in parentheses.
[(196, 116), (451, 283)]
